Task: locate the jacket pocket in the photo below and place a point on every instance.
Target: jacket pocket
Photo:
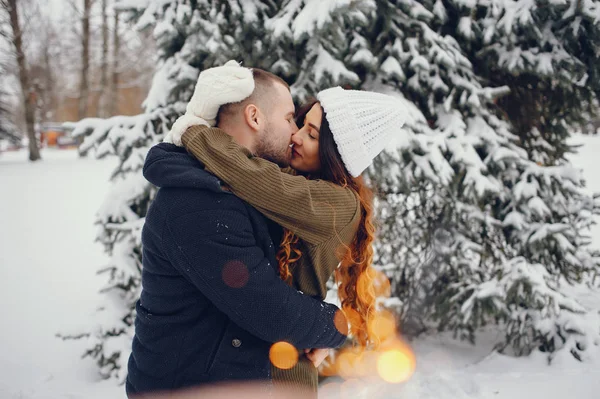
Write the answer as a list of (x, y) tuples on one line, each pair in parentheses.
[(241, 356), (215, 351)]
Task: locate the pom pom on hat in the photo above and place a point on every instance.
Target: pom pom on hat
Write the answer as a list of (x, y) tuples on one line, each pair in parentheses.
[(362, 123)]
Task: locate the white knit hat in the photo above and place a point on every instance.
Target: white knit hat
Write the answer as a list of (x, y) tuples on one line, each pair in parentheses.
[(362, 123)]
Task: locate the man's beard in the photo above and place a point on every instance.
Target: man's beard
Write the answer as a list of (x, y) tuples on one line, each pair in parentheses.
[(271, 150)]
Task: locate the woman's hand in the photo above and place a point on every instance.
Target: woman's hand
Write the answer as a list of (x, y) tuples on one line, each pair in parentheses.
[(229, 83), (316, 355)]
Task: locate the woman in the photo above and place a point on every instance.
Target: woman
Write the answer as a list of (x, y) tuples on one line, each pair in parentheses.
[(331, 227)]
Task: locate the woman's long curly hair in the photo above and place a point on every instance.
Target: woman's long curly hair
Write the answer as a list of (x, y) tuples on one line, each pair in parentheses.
[(354, 276)]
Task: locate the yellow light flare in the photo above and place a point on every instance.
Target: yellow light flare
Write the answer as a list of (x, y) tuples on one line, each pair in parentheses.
[(396, 365), (283, 355), (382, 326)]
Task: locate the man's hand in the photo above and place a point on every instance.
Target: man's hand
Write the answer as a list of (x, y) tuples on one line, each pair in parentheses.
[(230, 83), (316, 355)]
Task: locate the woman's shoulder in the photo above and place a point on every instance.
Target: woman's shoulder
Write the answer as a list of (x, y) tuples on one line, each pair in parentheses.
[(289, 171)]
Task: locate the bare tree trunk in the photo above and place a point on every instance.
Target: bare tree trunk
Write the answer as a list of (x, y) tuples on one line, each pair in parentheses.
[(85, 59), (104, 68), (28, 95), (49, 106), (115, 67)]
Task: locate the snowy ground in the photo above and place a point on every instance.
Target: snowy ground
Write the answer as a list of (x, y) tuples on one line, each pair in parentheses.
[(48, 259), (48, 262)]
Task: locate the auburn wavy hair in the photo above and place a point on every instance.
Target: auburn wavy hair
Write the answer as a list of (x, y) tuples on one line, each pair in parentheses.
[(354, 276)]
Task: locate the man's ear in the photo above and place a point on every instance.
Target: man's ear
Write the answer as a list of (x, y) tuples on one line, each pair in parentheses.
[(253, 117)]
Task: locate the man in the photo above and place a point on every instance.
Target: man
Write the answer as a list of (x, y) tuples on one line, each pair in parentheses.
[(212, 303)]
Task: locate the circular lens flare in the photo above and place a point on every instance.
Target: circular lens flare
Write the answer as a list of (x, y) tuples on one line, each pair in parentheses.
[(381, 284), (235, 274), (382, 326), (283, 355), (396, 365), (340, 322)]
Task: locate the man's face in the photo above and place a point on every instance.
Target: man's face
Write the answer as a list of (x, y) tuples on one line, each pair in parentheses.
[(274, 140)]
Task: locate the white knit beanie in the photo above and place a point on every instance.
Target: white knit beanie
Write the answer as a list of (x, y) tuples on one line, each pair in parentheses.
[(362, 123)]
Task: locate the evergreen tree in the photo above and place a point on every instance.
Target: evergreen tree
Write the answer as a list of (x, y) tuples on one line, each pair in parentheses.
[(477, 231), (547, 52), (7, 128), (474, 228), (320, 45)]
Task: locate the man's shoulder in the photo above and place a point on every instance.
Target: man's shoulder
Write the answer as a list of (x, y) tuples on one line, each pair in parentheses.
[(191, 214), (182, 201)]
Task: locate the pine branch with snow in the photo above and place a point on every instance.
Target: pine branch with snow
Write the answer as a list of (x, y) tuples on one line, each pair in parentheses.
[(548, 53)]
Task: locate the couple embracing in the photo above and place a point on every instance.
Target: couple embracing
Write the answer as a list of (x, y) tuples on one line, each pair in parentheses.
[(259, 204)]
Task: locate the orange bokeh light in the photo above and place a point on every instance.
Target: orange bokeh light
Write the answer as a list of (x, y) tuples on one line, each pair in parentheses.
[(373, 283), (385, 356), (340, 322), (283, 355), (345, 364), (381, 284), (394, 363), (382, 326)]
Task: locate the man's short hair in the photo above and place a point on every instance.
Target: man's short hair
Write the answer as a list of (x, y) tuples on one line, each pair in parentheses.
[(261, 96)]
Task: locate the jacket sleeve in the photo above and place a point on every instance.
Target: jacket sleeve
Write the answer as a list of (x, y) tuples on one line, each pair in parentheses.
[(216, 250), (315, 210)]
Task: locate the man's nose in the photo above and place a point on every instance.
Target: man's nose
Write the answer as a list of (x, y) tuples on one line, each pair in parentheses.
[(296, 139)]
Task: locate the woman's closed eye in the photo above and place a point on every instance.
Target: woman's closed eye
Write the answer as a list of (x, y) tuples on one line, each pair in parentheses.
[(309, 128)]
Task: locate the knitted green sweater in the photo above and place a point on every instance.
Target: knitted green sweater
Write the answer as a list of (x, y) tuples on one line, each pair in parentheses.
[(324, 216)]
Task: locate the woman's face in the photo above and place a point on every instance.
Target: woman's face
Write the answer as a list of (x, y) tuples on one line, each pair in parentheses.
[(305, 150)]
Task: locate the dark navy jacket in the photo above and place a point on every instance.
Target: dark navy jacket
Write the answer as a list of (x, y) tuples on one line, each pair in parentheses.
[(212, 302)]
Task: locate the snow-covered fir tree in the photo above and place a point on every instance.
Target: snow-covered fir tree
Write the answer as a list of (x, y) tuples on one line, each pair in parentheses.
[(475, 231), (7, 128), (320, 44), (475, 227), (547, 52)]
